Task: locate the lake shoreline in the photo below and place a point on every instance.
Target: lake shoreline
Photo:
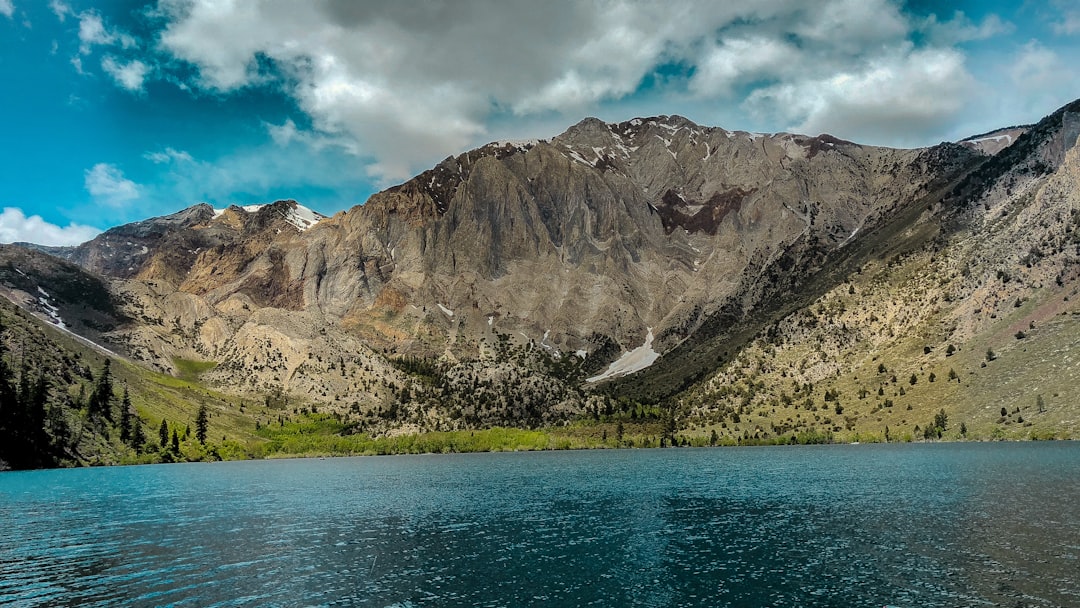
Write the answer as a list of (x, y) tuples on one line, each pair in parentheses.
[(491, 440)]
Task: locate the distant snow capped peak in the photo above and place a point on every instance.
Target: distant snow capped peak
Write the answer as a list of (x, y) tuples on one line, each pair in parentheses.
[(296, 214), (302, 217)]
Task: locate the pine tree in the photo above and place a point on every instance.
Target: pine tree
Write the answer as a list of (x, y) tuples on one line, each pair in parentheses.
[(202, 424), (34, 407), (138, 439), (101, 399), (125, 417), (175, 442), (163, 434), (7, 402), (941, 422)]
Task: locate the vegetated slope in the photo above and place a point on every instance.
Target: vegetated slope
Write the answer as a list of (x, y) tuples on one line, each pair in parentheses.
[(57, 399), (56, 409), (62, 397), (972, 333)]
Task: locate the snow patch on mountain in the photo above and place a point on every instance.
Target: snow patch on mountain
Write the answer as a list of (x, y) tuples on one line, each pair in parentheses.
[(52, 311), (303, 218), (630, 362), (521, 144), (995, 141), (298, 215)]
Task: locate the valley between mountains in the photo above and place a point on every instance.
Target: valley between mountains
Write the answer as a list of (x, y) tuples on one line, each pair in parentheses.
[(646, 283)]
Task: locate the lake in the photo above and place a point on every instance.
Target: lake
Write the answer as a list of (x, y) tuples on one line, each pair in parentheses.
[(860, 525)]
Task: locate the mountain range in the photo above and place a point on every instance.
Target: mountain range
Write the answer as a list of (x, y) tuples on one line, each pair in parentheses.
[(724, 286)]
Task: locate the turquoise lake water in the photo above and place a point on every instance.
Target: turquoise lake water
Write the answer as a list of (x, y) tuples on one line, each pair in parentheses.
[(870, 525)]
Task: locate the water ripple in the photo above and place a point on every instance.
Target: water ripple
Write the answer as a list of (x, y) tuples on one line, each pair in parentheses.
[(959, 525)]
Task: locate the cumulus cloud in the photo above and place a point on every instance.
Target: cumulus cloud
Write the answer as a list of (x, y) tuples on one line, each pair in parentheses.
[(129, 75), (16, 227), (907, 96), (737, 61), (288, 133), (7, 9), (405, 84), (93, 31), (408, 83), (60, 9), (107, 184)]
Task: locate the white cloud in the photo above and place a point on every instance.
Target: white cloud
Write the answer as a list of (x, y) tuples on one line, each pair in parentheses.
[(1067, 21), (1069, 24), (92, 31), (288, 133), (852, 26), (402, 86), (962, 29), (408, 85), (1037, 67), (108, 186), (60, 9), (168, 155), (737, 61), (1045, 77), (7, 9), (15, 227), (129, 75), (903, 98)]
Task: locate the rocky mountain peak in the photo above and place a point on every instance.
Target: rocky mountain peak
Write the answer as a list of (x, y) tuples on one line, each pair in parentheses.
[(995, 141), (292, 212), (1038, 151)]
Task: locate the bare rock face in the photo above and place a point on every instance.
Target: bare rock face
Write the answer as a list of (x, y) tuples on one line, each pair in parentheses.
[(606, 229), (59, 292)]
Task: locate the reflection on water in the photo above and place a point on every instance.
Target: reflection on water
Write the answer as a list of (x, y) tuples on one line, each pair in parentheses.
[(927, 525)]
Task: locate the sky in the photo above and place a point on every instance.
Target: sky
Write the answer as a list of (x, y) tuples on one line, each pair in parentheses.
[(117, 110)]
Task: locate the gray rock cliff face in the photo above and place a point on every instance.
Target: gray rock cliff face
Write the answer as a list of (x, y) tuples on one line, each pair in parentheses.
[(606, 229)]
